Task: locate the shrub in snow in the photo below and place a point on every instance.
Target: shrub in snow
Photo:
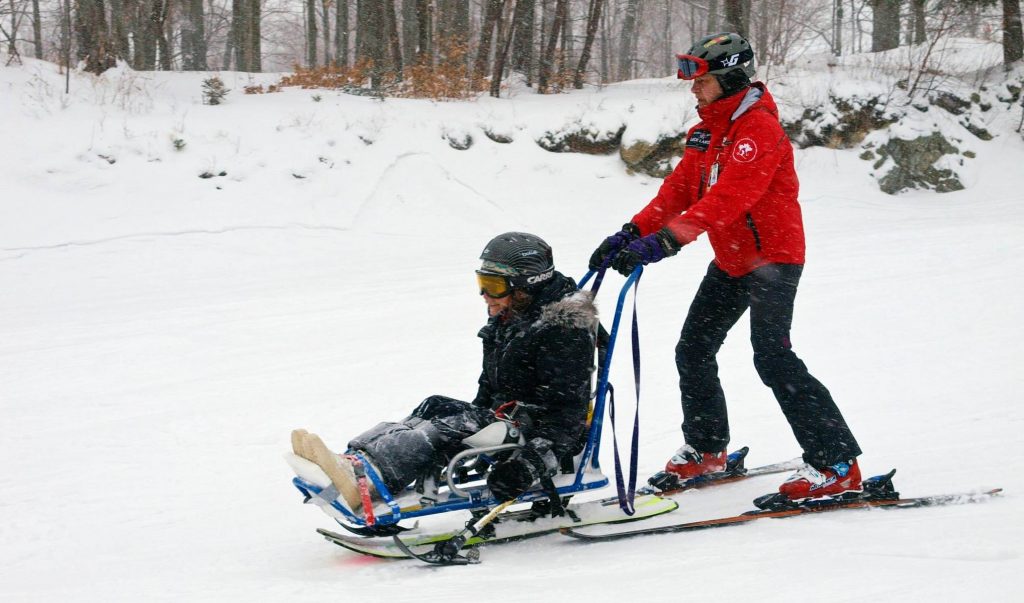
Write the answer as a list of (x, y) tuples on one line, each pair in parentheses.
[(499, 137), (214, 91), (459, 141), (580, 138)]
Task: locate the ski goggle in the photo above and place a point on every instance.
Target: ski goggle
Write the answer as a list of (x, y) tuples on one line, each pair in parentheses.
[(493, 285), (692, 67)]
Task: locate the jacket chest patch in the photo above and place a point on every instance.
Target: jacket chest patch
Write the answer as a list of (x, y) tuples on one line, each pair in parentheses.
[(699, 140), (745, 150)]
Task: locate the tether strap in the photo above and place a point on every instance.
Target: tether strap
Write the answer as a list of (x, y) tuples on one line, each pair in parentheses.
[(364, 489), (626, 495)]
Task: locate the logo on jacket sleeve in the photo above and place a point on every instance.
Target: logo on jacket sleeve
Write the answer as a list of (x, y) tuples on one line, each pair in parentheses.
[(699, 139), (745, 150)]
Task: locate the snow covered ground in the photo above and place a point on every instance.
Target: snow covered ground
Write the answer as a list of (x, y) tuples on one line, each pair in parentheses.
[(161, 334)]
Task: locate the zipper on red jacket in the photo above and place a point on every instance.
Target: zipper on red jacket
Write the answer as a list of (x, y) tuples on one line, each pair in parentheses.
[(753, 230)]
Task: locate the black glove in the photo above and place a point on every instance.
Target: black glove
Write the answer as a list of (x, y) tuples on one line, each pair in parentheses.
[(610, 246), (646, 250), (509, 479)]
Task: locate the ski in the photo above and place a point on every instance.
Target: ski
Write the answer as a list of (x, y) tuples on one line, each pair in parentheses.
[(509, 526), (878, 494), (664, 483)]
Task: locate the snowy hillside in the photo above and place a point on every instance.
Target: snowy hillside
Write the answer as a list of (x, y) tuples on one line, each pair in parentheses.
[(161, 333)]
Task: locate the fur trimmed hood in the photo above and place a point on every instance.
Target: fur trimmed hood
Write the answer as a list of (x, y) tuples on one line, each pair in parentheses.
[(576, 310)]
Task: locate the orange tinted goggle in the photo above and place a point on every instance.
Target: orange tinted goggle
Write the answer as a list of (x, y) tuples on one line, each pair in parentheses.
[(493, 285)]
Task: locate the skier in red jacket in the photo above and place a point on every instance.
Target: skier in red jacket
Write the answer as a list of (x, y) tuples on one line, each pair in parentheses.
[(736, 182)]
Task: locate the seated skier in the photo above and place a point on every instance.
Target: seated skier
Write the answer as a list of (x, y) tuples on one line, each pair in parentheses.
[(538, 356)]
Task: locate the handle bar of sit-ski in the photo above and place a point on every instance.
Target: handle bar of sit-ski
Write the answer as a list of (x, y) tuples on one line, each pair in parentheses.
[(593, 440)]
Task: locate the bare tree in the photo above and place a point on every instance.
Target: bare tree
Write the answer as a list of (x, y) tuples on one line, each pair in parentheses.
[(341, 33), (628, 39), (483, 51), (245, 32), (326, 21), (311, 33), (885, 25), (391, 31), (547, 57), (37, 30), (593, 20), (193, 37), (93, 36), (523, 42), (504, 42), (371, 39), (1013, 39), (735, 17)]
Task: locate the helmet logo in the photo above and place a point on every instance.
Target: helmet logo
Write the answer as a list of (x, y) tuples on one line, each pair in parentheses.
[(745, 150), (731, 61), (533, 280)]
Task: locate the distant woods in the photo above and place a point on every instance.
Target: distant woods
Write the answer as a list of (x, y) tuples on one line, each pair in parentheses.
[(548, 44)]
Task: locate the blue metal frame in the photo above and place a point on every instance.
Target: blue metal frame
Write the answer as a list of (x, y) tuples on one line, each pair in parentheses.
[(477, 499)]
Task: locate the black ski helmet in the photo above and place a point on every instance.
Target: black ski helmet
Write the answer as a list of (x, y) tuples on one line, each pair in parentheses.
[(525, 259), (730, 59)]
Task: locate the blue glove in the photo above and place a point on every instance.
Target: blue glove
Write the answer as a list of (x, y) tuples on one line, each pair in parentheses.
[(613, 244), (646, 250)]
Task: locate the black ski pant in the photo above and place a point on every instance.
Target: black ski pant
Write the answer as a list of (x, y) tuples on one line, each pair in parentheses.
[(422, 442), (769, 293)]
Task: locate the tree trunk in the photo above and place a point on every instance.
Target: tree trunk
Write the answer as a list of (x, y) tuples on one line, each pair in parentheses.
[(483, 51), (193, 37), (421, 36), (93, 37), (255, 32), (734, 17), (593, 20), (371, 38), (37, 30), (391, 23), (341, 34), (460, 24), (1013, 38), (606, 37), (410, 31), (837, 28), (522, 43), (885, 21), (311, 33), (246, 37), (502, 45), (547, 58), (712, 16), (326, 23), (629, 33), (762, 46)]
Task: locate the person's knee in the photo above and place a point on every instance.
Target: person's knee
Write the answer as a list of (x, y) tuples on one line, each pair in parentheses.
[(693, 355), (775, 365)]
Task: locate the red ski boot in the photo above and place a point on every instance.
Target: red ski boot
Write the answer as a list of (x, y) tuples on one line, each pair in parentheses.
[(809, 482), (687, 463)]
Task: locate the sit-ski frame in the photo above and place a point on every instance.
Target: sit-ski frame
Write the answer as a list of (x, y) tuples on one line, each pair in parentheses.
[(475, 497)]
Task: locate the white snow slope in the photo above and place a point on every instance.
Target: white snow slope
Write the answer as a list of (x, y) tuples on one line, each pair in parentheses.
[(161, 334)]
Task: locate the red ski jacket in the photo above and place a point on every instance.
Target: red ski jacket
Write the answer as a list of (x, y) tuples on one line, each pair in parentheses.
[(736, 182)]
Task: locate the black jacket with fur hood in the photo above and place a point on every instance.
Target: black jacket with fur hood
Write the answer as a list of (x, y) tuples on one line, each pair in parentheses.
[(543, 357)]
